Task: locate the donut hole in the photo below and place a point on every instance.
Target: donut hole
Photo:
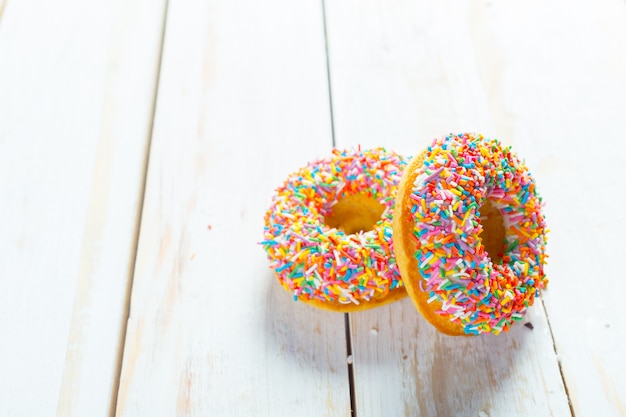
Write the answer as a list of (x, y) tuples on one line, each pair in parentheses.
[(354, 213), (493, 235)]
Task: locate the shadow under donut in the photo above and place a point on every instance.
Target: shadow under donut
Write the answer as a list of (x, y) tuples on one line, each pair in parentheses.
[(436, 374)]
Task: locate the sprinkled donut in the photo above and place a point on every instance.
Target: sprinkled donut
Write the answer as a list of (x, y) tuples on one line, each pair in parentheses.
[(469, 235), (328, 232)]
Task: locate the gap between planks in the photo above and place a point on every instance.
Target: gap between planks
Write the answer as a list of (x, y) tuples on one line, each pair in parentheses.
[(137, 231), (330, 89), (350, 358), (558, 360), (350, 362)]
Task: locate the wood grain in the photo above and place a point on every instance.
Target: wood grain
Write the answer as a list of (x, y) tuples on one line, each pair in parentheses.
[(76, 96), (3, 4), (242, 102)]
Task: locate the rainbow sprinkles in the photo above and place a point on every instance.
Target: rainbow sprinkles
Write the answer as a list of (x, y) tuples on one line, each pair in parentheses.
[(317, 262), (459, 174)]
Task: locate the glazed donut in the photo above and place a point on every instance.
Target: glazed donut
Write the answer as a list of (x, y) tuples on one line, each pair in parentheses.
[(469, 236), (328, 231)]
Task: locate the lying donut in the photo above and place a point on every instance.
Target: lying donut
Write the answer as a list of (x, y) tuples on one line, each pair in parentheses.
[(328, 231), (469, 235)]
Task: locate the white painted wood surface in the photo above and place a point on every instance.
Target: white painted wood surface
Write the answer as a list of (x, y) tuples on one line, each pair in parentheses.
[(243, 101), (76, 92), (578, 148), (549, 79)]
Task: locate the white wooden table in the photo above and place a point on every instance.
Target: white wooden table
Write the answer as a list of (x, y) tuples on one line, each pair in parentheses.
[(140, 144)]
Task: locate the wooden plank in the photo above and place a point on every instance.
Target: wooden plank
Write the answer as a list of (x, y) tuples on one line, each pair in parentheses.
[(579, 126), (76, 98), (404, 72), (243, 101)]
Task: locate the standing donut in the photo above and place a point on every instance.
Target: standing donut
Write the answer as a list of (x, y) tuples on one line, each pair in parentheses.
[(469, 235), (328, 232)]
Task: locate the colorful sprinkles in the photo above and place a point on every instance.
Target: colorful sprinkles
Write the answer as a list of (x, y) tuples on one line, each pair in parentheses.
[(316, 262), (459, 173)]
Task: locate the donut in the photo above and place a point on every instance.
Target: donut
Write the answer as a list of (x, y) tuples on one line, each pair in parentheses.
[(469, 235), (328, 232)]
